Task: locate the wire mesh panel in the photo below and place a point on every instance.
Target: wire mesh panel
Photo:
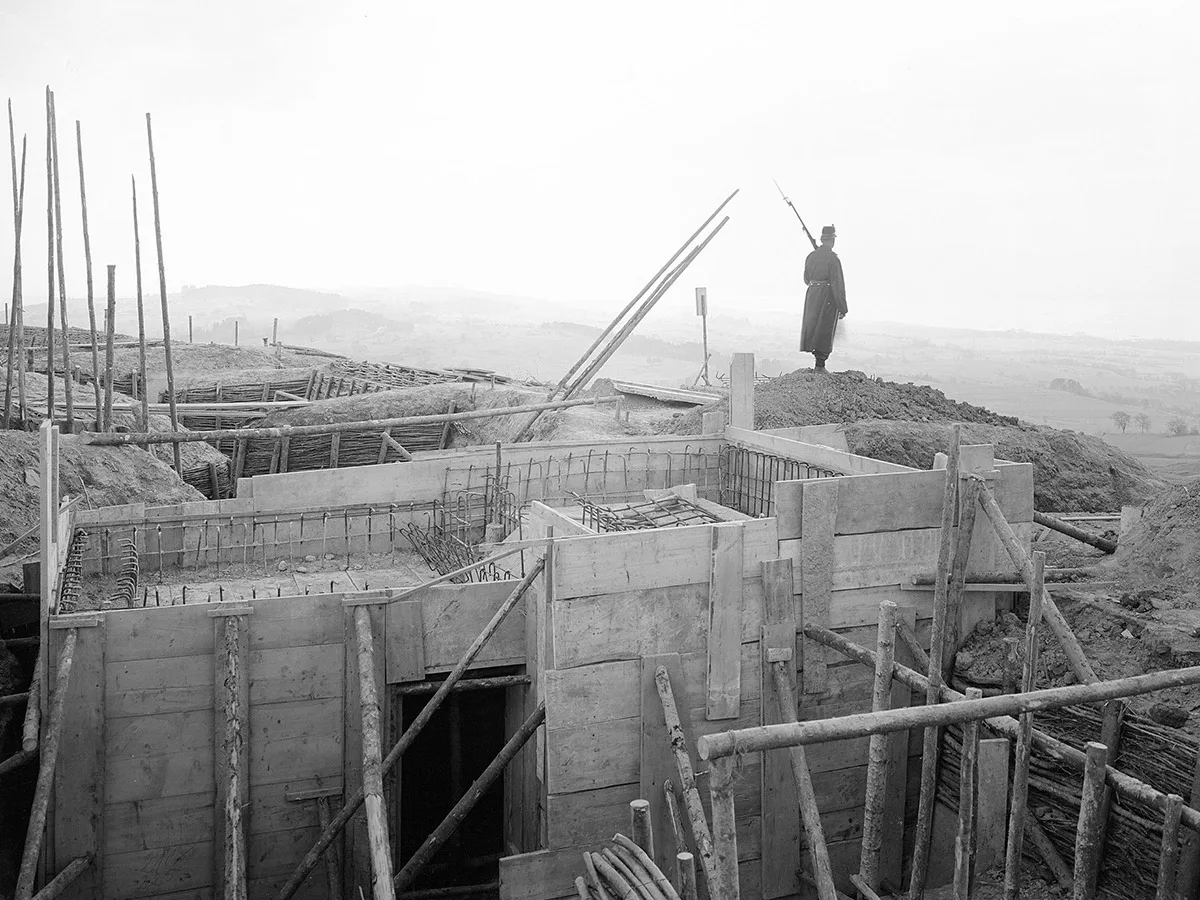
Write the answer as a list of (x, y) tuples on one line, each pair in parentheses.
[(668, 512), (748, 477)]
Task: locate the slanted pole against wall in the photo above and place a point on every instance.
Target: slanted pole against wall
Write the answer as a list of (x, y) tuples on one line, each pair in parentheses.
[(937, 649), (45, 779), (356, 800), (877, 759), (372, 763)]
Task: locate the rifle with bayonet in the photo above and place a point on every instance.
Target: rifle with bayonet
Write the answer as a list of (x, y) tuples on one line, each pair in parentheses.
[(807, 233)]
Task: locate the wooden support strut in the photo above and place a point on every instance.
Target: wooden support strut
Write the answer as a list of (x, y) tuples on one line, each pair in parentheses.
[(45, 779), (964, 839), (234, 791), (1100, 543), (372, 772), (1087, 834), (33, 711), (877, 758), (356, 800), (63, 880), (724, 829), (1168, 860)]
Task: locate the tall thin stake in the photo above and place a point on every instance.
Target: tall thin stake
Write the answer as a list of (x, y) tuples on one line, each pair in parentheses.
[(162, 291), (109, 327), (87, 261), (16, 336), (137, 262), (877, 762), (49, 263), (68, 377), (11, 323)]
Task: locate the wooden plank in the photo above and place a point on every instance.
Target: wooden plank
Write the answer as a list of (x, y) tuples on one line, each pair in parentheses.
[(291, 674), (723, 684), (657, 762), (158, 822), (355, 835), (222, 674), (405, 653), (153, 873), (289, 739), (822, 502), (78, 822), (159, 633), (135, 776), (814, 454), (891, 857), (741, 391), (453, 615), (870, 560), (991, 803), (301, 622)]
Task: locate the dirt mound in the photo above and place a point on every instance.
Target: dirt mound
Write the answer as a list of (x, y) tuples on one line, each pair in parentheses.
[(1162, 549), (240, 376), (192, 360), (1072, 472), (806, 398)]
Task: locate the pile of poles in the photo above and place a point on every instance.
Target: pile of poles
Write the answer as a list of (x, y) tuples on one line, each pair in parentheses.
[(56, 278), (1102, 782), (607, 343), (626, 869)]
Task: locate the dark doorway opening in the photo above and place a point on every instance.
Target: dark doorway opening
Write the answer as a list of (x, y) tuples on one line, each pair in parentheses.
[(462, 738)]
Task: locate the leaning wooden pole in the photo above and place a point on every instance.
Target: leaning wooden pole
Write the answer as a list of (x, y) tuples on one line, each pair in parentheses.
[(109, 327), (49, 263), (87, 261), (1050, 611), (333, 874), (468, 801), (806, 795), (45, 779), (141, 313), (1100, 543), (964, 839), (356, 800), (16, 334), (968, 503), (1087, 833), (687, 778), (877, 756), (162, 292), (372, 759), (33, 710), (1020, 778), (937, 649), (58, 885), (68, 373), (724, 828), (235, 836)]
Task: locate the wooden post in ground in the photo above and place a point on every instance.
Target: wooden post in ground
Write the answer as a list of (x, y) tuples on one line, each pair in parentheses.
[(964, 840), (372, 771), (1169, 855), (1188, 880), (1088, 848), (16, 341), (109, 327), (162, 291), (937, 648), (877, 759), (232, 750), (49, 261), (45, 779), (640, 826), (724, 816), (141, 313), (967, 504), (87, 261), (68, 377), (685, 869), (1020, 782), (235, 332), (275, 338)]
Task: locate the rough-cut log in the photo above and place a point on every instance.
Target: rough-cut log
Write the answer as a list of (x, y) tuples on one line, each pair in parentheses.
[(594, 879), (623, 861), (639, 824), (1049, 853), (642, 855), (235, 835), (1087, 834), (1100, 543), (372, 762), (1020, 781), (937, 650), (1054, 618), (877, 757), (906, 634), (685, 868), (687, 779), (1169, 855), (45, 779), (18, 759), (60, 882), (806, 795), (183, 437), (467, 684), (614, 878), (354, 802), (968, 503), (724, 828), (964, 839), (474, 793)]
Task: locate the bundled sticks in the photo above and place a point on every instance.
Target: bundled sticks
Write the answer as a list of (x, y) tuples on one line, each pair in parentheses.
[(589, 364), (626, 870)]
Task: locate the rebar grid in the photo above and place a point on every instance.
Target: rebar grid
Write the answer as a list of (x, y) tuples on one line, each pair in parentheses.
[(667, 512), (747, 478)]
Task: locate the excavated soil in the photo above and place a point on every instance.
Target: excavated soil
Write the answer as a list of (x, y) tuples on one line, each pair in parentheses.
[(190, 361), (1161, 550)]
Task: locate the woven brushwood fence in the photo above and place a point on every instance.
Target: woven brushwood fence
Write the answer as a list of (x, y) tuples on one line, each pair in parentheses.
[(332, 451), (245, 392), (389, 374), (1164, 758), (213, 480)]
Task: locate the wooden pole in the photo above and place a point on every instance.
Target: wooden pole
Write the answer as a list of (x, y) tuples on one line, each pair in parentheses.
[(640, 826), (235, 332), (137, 264), (68, 377), (616, 880), (1100, 543), (410, 734), (12, 323), (249, 434), (1168, 860), (676, 818), (964, 840), (16, 341), (45, 779), (1087, 834), (594, 878), (644, 857), (968, 502), (189, 329), (633, 872), (806, 795), (162, 292), (687, 778), (33, 711), (454, 818), (57, 885), (1054, 618), (1049, 853), (877, 757), (909, 637), (937, 649), (49, 262), (87, 261), (110, 319), (372, 763), (1020, 782), (235, 714), (275, 338), (774, 737), (333, 874), (685, 868), (724, 826)]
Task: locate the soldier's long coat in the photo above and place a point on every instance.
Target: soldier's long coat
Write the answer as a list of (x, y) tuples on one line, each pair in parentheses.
[(824, 301)]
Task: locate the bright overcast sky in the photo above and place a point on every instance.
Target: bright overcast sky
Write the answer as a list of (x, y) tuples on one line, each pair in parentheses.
[(996, 166)]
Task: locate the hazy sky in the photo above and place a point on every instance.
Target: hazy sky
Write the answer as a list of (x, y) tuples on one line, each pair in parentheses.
[(996, 166)]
